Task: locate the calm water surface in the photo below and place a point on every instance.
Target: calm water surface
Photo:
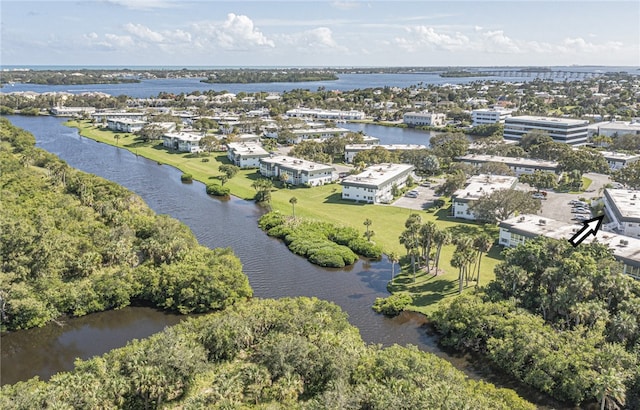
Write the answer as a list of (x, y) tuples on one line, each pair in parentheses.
[(272, 269)]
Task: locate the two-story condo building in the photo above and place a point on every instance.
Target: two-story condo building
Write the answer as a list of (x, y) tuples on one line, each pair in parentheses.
[(72, 111), (477, 187), (416, 119), (182, 141), (519, 229), (246, 154), (125, 124), (570, 131), (297, 171), (622, 207), (100, 116), (618, 160), (351, 150), (483, 116), (375, 184), (325, 114), (316, 134), (518, 165)]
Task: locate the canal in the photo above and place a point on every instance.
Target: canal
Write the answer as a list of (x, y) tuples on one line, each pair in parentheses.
[(273, 271)]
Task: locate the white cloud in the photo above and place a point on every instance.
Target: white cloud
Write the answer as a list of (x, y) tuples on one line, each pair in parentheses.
[(497, 42), (314, 40), (423, 36), (236, 33), (143, 32), (117, 41)]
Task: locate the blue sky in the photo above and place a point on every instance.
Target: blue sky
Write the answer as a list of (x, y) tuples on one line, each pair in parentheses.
[(319, 33)]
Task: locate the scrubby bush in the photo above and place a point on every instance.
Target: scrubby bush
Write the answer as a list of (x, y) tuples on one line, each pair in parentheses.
[(186, 178), (392, 305), (365, 248), (218, 190)]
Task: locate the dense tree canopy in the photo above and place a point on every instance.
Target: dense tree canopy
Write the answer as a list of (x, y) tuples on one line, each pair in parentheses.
[(563, 319), (290, 353), (503, 204), (75, 243)]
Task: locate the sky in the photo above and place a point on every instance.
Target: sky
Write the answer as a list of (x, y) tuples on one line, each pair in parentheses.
[(319, 33)]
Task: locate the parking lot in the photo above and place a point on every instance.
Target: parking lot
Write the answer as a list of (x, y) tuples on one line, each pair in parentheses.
[(556, 206)]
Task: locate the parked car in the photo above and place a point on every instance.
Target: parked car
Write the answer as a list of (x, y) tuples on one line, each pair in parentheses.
[(412, 194), (425, 184), (538, 196)]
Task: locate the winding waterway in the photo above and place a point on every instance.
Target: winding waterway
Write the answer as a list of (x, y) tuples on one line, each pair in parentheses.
[(272, 269)]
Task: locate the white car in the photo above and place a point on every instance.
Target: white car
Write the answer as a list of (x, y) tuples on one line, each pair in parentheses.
[(412, 194)]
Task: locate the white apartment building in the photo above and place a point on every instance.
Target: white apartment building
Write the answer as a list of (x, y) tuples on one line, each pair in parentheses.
[(615, 128), (569, 131), (484, 116), (316, 134), (518, 165), (417, 119), (72, 111), (125, 124), (246, 154), (622, 207), (375, 184), (182, 141), (326, 114), (100, 116), (477, 187), (617, 160), (519, 229), (297, 171), (351, 150)]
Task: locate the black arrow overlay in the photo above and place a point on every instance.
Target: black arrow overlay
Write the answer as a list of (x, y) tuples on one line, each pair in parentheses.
[(590, 227)]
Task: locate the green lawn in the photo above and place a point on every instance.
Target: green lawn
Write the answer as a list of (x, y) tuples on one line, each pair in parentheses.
[(323, 203)]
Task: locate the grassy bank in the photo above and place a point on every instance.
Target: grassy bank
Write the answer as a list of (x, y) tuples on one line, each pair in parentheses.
[(322, 203)]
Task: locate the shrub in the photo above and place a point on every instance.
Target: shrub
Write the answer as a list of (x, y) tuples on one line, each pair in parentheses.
[(186, 178), (365, 248), (218, 190), (325, 257), (205, 159), (392, 305)]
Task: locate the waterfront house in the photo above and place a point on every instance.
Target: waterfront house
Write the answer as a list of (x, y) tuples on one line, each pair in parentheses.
[(376, 183), (297, 171)]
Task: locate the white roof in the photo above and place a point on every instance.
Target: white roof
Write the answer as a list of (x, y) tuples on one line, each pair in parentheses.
[(377, 175), (184, 136), (247, 148), (390, 147), (627, 202), (545, 120), (320, 131), (297, 163), (551, 228), (509, 160), (483, 184)]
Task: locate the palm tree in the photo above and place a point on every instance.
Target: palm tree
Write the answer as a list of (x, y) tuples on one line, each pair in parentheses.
[(441, 238), (482, 243), (293, 201), (367, 222), (426, 240), (393, 258)]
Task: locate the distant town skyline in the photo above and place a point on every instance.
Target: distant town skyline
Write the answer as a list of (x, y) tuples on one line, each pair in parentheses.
[(320, 33)]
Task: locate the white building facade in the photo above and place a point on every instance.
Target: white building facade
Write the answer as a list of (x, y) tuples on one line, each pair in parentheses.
[(484, 116), (325, 114), (417, 119), (519, 229), (351, 150), (622, 207), (477, 187), (569, 131), (518, 165), (297, 171), (182, 141), (375, 184), (246, 154)]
